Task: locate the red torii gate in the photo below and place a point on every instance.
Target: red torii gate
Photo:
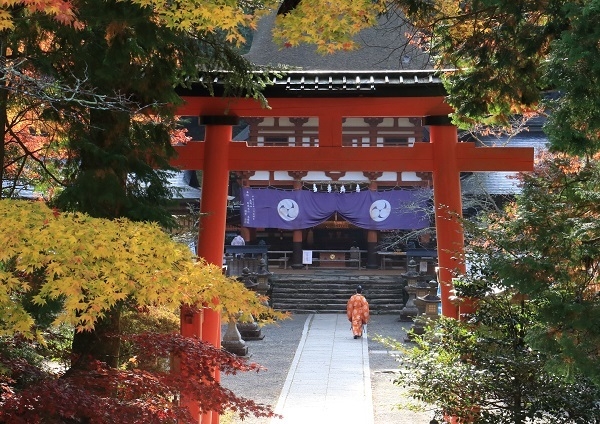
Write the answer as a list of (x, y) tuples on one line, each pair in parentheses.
[(444, 156)]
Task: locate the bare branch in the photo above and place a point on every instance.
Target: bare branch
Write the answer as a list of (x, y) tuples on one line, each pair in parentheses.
[(52, 92)]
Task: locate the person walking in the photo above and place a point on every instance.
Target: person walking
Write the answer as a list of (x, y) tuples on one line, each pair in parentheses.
[(357, 310)]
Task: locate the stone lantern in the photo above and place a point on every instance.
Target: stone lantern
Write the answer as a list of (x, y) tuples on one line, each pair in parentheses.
[(421, 290), (232, 340), (262, 277), (247, 279), (430, 304), (249, 330), (410, 310), (432, 301)]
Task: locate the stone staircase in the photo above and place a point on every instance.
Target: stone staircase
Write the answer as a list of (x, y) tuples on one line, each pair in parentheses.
[(328, 292)]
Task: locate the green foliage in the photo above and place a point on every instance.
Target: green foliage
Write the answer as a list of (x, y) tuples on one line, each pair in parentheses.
[(503, 57), (482, 371), (496, 49), (101, 95), (548, 248), (530, 351), (574, 68), (91, 265)]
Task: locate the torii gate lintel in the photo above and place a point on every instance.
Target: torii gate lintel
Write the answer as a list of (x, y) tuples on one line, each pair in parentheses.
[(418, 158)]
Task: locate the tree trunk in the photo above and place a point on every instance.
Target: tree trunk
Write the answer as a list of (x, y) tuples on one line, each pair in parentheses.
[(109, 134), (103, 343), (3, 107)]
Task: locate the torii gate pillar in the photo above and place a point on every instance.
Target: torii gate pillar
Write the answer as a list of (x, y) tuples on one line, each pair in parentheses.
[(213, 205), (447, 209), (211, 237)]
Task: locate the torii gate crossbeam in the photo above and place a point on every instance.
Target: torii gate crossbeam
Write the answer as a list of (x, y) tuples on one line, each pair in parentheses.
[(416, 158), (444, 156)]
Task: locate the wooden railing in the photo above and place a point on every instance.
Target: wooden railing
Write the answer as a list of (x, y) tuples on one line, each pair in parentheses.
[(320, 258), (351, 258), (333, 258), (281, 258)]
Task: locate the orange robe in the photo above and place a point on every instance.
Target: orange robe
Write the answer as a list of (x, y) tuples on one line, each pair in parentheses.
[(357, 310)]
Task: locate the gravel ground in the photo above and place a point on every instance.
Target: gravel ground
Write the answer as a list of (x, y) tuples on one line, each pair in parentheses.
[(276, 352)]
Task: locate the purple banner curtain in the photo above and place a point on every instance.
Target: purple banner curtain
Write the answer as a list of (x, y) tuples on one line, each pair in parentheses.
[(299, 209)]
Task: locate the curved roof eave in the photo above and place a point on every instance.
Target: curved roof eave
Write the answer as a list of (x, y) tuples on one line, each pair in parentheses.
[(338, 83)]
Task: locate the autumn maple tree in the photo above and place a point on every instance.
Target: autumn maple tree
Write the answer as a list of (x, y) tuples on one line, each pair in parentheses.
[(312, 22), (69, 270)]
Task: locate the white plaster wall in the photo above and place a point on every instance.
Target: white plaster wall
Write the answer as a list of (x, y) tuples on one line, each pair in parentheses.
[(282, 176), (388, 176), (410, 176), (354, 176), (260, 176)]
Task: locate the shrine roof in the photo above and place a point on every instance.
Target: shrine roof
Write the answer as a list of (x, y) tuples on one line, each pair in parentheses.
[(504, 183), (340, 83), (384, 46), (384, 64)]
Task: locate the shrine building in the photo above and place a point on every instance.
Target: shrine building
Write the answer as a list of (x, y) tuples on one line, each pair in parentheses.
[(375, 69)]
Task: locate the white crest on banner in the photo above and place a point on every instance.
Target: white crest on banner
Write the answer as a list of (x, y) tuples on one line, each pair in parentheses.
[(288, 209), (380, 210)]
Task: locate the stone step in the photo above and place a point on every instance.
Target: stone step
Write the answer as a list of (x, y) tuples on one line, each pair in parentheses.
[(333, 309), (337, 285), (330, 293), (331, 302), (388, 309), (307, 293), (282, 304), (335, 288)]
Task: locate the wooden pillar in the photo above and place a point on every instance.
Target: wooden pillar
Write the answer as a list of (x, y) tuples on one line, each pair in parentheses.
[(297, 249), (372, 235), (297, 238), (298, 130), (447, 207), (190, 325), (373, 129), (213, 215), (245, 233), (253, 123), (372, 243)]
